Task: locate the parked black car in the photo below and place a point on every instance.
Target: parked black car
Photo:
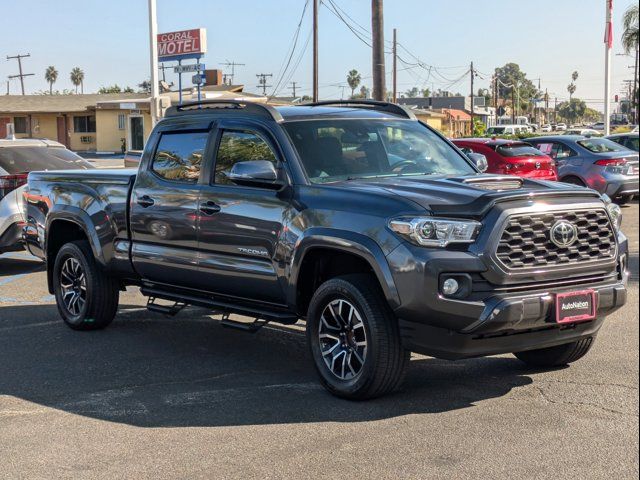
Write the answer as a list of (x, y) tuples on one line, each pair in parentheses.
[(354, 216)]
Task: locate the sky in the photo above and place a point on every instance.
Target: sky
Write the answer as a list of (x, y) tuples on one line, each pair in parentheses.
[(549, 39)]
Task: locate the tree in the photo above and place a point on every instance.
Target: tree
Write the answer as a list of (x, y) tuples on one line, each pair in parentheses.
[(426, 92), (571, 88), (353, 79), (574, 76), (128, 90), (573, 110), (412, 93), (145, 86), (111, 89), (77, 79), (630, 33), (511, 77), (51, 76)]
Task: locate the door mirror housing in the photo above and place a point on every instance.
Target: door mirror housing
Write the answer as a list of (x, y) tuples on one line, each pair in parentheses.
[(255, 173), (479, 160)]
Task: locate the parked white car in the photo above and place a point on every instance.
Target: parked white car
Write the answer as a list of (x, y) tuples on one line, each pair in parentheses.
[(546, 128), (561, 127), (585, 132), (507, 130)]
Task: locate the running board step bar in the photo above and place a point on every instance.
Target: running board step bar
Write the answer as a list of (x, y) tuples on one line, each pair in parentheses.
[(224, 306), (252, 327), (170, 310)]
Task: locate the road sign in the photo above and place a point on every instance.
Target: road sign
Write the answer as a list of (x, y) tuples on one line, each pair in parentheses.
[(194, 67), (182, 44), (198, 79)]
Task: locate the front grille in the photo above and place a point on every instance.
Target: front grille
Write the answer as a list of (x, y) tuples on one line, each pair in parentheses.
[(525, 242)]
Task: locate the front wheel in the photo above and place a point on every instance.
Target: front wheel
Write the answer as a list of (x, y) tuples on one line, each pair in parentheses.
[(556, 356), (354, 339), (86, 297)]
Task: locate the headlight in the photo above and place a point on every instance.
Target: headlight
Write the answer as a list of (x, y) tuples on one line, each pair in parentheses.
[(435, 232), (615, 212)]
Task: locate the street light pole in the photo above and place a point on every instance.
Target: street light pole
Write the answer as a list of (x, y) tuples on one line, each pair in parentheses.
[(153, 56), (315, 51), (377, 25)]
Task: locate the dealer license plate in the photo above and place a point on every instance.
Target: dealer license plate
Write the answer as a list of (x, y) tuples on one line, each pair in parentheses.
[(575, 306)]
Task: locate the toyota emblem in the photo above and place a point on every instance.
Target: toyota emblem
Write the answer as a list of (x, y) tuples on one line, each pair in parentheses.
[(563, 234)]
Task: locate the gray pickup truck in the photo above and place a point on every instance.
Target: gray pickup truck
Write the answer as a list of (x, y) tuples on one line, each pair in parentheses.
[(353, 216)]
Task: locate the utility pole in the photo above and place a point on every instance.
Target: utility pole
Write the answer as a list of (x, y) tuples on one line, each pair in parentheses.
[(314, 93), (495, 98), (395, 67), (608, 43), (546, 105), (377, 33), (153, 62), (472, 73), (513, 104), (163, 67), (262, 82), (228, 77), (20, 75), (634, 102), (293, 87), (555, 110)]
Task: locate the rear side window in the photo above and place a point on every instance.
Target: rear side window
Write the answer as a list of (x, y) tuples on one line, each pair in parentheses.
[(179, 156), (239, 146), (518, 150), (31, 159), (600, 145)]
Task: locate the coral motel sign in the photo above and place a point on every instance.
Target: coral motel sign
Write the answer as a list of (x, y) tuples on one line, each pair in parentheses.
[(181, 45)]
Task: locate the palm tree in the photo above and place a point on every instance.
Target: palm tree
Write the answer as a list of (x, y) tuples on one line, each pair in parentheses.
[(630, 34), (77, 78), (574, 76), (353, 79), (571, 88), (51, 75)]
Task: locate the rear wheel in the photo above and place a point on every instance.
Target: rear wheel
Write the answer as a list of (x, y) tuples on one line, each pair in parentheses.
[(86, 297), (354, 339), (556, 356)]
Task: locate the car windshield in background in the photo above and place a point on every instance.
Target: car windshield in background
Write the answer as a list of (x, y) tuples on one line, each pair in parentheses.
[(334, 150), (495, 130), (29, 159), (518, 150), (601, 145)]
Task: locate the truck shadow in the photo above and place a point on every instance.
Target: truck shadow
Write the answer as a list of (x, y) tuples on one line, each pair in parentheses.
[(150, 371), (19, 263)]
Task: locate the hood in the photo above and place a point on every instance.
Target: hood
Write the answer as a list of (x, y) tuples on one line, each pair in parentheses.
[(470, 196)]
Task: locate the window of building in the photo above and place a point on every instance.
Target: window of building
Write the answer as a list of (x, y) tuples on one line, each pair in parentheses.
[(179, 156), (20, 124), (84, 124), (237, 146), (121, 121)]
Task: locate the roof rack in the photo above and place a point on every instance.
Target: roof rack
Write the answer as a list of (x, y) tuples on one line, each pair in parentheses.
[(224, 105), (373, 104)]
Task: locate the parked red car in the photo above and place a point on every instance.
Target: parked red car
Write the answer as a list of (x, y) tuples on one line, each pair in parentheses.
[(511, 157)]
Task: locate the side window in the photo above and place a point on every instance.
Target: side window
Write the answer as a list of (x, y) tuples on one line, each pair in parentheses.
[(179, 156), (544, 148), (560, 151), (239, 146)]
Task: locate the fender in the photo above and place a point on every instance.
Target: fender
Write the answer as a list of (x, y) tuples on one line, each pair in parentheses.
[(349, 242)]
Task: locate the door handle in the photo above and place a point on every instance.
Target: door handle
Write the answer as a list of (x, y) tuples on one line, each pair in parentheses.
[(209, 208), (146, 201)]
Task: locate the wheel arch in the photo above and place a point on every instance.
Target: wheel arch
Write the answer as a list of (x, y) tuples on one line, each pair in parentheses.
[(325, 254)]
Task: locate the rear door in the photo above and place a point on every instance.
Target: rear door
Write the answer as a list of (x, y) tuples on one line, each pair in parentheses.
[(240, 225), (164, 207)]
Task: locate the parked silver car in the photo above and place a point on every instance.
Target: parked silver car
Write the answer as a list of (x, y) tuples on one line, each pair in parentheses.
[(627, 140), (597, 163), (17, 159)]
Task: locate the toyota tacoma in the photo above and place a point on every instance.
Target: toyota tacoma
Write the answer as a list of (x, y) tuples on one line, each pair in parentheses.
[(353, 216)]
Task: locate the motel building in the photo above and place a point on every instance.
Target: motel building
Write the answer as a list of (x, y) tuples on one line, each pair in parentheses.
[(103, 123)]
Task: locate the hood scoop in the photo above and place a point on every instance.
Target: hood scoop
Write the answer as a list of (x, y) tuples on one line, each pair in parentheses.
[(495, 184)]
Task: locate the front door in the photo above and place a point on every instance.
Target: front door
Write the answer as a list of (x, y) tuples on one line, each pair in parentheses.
[(240, 225), (3, 126), (61, 123), (164, 208), (136, 133)]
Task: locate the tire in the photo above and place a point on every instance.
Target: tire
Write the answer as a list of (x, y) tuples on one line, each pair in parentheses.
[(573, 181), (623, 200), (362, 370), (76, 275), (556, 356)]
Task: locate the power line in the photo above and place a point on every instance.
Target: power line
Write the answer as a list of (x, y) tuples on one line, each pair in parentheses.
[(229, 76), (262, 82)]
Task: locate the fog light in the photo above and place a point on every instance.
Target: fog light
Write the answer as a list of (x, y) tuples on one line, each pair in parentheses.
[(450, 286)]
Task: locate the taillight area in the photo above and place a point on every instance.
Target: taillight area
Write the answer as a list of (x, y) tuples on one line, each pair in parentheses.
[(8, 183), (612, 162), (617, 166)]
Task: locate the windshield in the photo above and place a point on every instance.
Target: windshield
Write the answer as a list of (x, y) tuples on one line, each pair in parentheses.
[(28, 159), (334, 150), (518, 150), (495, 130), (601, 145)]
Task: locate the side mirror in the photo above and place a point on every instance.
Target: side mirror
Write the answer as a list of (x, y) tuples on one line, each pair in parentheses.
[(255, 173), (479, 160)]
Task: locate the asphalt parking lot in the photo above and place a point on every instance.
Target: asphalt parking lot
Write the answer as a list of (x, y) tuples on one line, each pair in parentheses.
[(157, 397)]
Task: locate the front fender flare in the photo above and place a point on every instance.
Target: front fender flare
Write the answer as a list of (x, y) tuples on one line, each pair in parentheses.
[(349, 242)]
